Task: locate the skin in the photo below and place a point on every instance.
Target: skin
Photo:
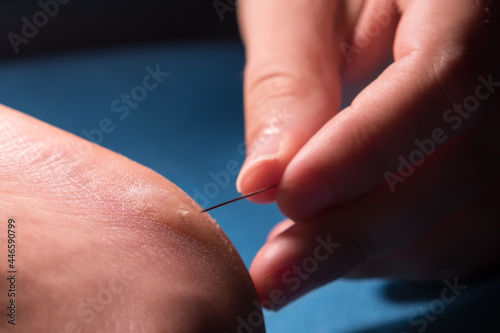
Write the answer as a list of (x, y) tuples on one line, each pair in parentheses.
[(438, 220), (104, 244)]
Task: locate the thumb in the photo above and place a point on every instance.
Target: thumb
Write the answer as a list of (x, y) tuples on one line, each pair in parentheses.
[(292, 84)]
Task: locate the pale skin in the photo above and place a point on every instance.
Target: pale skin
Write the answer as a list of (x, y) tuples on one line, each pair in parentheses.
[(106, 245), (440, 219)]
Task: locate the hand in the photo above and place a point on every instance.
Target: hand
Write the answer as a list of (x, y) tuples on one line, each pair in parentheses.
[(402, 182), (107, 245)]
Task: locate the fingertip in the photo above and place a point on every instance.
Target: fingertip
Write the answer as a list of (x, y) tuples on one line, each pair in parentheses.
[(300, 259), (266, 280), (257, 176), (274, 269), (305, 201)]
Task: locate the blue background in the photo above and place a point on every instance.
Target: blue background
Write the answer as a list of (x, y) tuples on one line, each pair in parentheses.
[(192, 125)]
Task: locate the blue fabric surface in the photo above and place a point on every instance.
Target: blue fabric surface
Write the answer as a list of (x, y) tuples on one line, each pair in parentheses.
[(190, 129)]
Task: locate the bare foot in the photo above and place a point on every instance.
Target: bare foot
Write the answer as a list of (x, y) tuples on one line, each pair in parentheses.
[(103, 244)]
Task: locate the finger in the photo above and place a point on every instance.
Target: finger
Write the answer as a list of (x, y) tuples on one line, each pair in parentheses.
[(437, 88), (441, 252), (291, 82), (368, 46), (312, 253), (279, 228)]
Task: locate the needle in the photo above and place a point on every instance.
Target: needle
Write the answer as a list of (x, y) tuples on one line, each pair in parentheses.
[(237, 199)]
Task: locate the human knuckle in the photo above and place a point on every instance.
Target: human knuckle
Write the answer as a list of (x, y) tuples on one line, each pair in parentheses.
[(263, 86)]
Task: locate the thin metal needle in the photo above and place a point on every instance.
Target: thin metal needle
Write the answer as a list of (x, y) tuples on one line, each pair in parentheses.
[(237, 199)]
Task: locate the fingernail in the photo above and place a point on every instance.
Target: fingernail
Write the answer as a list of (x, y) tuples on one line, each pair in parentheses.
[(266, 148)]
